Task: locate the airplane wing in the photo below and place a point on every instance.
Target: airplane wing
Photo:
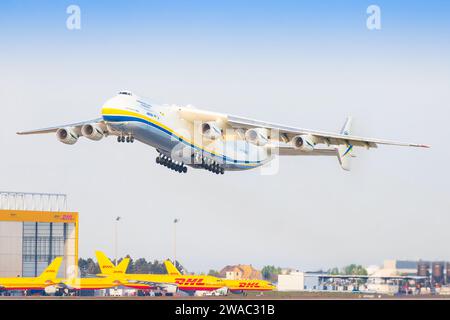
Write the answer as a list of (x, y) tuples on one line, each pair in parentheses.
[(287, 132), (287, 150), (76, 127), (328, 138)]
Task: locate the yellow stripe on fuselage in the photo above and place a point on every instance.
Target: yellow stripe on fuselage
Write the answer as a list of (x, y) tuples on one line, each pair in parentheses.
[(121, 112)]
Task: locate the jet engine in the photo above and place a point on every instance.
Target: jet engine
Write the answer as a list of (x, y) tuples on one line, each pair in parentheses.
[(67, 135), (257, 136), (211, 130), (92, 131), (303, 142), (169, 288), (50, 290)]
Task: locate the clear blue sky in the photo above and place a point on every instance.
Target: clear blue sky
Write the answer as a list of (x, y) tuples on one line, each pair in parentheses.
[(306, 64)]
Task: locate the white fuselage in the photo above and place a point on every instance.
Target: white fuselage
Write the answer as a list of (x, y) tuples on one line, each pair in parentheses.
[(161, 127)]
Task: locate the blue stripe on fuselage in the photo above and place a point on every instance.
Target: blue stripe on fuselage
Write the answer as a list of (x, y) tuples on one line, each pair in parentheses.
[(114, 118)]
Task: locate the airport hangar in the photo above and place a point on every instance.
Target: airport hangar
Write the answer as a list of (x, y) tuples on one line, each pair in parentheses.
[(34, 229)]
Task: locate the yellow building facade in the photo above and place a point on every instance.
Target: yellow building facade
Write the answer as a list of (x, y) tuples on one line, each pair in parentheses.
[(34, 229)]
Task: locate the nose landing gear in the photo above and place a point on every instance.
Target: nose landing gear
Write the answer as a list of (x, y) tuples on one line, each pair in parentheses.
[(129, 138)]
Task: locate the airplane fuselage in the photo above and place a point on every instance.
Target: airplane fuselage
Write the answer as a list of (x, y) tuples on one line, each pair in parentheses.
[(187, 283), (24, 283), (161, 127)]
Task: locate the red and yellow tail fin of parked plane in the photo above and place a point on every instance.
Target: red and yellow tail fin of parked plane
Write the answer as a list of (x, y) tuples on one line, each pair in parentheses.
[(184, 282), (171, 269), (51, 271), (45, 279), (122, 266), (108, 268)]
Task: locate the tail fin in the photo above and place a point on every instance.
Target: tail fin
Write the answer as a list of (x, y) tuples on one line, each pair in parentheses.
[(106, 266), (51, 271), (122, 266), (171, 269), (344, 151)]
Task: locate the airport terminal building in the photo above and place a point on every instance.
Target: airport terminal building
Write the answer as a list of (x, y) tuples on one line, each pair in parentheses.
[(34, 229)]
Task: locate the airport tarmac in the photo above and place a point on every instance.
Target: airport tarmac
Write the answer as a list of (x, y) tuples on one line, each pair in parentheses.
[(266, 296)]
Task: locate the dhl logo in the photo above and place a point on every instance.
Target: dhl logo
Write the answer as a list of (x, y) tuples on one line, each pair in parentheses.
[(63, 217), (50, 271), (249, 285), (107, 267), (190, 281)]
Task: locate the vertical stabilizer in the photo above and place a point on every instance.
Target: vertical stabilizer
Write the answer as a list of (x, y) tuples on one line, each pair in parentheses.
[(52, 270), (106, 266), (345, 151), (122, 266), (171, 269)]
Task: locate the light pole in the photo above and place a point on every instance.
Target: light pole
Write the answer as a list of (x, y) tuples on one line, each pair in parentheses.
[(175, 221), (115, 238)]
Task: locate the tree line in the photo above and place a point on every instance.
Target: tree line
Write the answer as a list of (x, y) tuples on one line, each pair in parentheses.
[(89, 267)]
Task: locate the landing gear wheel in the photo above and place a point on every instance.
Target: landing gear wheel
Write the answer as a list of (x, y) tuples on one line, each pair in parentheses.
[(184, 169), (132, 139), (158, 160), (123, 139), (128, 139), (118, 139)]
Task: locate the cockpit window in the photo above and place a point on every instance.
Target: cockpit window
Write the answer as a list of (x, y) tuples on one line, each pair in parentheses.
[(127, 93)]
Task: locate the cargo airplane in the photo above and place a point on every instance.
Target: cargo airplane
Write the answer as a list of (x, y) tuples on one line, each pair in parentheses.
[(244, 285), (47, 280), (174, 280), (186, 136), (114, 279)]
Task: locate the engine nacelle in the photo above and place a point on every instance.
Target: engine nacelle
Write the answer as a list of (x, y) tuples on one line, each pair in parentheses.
[(92, 131), (211, 130), (303, 142), (67, 135), (50, 290), (257, 136)]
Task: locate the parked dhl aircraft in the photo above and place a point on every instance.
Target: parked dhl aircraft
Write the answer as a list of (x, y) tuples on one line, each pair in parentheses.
[(171, 281), (241, 286), (114, 279), (189, 283), (209, 140), (46, 280)]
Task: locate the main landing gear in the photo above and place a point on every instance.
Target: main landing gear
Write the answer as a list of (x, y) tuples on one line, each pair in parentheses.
[(169, 163), (128, 139), (212, 166)]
